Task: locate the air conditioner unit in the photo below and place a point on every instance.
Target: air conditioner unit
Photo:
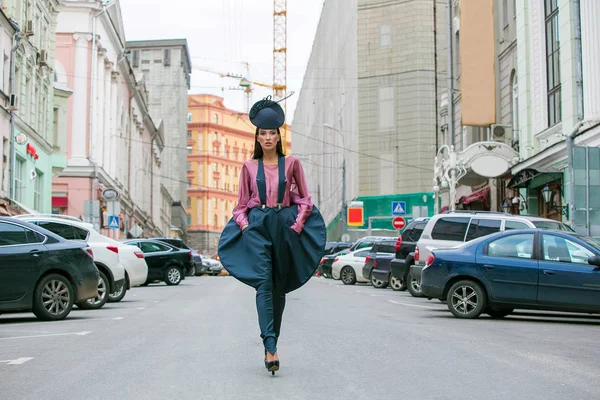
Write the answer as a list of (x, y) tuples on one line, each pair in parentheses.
[(43, 57), (502, 133), (28, 31), (13, 102)]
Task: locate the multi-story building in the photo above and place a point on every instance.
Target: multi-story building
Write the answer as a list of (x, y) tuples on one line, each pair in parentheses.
[(7, 32), (30, 163), (477, 146), (112, 141), (165, 66), (371, 88), (219, 141), (558, 96)]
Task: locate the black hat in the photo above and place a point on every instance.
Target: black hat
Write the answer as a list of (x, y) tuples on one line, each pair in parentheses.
[(267, 114)]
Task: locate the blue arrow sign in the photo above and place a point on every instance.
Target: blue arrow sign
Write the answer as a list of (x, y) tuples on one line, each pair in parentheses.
[(113, 222), (398, 208)]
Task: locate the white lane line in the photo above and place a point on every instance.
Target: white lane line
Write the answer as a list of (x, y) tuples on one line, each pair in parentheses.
[(141, 308), (377, 295), (83, 333), (18, 361), (412, 305), (64, 321)]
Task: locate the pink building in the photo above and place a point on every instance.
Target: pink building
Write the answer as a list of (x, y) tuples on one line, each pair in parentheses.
[(111, 140)]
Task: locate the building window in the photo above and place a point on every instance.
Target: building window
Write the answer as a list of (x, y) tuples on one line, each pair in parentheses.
[(215, 219), (189, 134), (387, 109), (167, 57), (216, 184), (189, 117), (188, 202), (515, 106), (38, 188), (385, 36), (553, 63), (189, 150), (215, 118)]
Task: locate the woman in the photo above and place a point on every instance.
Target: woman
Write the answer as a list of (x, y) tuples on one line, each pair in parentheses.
[(276, 238)]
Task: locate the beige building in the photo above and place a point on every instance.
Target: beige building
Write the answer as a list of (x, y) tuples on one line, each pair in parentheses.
[(219, 141), (400, 80)]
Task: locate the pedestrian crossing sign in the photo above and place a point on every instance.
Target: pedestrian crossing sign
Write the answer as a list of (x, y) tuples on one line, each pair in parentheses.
[(398, 208), (113, 222)]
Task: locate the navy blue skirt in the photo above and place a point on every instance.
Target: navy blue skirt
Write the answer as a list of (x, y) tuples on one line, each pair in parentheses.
[(268, 245)]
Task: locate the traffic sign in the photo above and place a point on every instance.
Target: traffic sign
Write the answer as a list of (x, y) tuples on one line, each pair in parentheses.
[(399, 223), (356, 216), (398, 208), (113, 222)]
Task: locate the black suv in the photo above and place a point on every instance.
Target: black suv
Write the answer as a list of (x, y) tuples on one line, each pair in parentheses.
[(195, 265), (405, 251)]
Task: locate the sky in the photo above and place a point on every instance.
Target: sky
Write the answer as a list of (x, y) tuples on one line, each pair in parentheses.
[(224, 34)]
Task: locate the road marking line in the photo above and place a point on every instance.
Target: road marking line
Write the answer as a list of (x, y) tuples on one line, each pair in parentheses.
[(141, 308), (18, 361), (64, 321), (83, 333), (377, 295), (118, 318), (412, 305)]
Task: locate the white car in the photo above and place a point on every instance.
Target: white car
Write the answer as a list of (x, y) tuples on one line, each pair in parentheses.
[(348, 268), (105, 252)]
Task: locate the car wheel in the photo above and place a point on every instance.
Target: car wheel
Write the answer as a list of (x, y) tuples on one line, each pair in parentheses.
[(117, 296), (192, 271), (99, 301), (466, 299), (379, 284), (348, 276), (414, 286), (172, 275), (396, 284), (53, 298), (499, 313)]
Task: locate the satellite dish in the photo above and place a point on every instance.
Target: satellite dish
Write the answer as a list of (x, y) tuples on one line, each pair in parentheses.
[(21, 138), (345, 237)]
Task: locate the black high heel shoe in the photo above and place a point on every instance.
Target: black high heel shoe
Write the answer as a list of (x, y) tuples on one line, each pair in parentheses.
[(271, 366)]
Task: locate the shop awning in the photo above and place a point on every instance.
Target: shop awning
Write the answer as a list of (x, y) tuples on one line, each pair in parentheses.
[(482, 195), (527, 176)]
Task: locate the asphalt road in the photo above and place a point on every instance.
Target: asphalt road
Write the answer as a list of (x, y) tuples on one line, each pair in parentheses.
[(200, 340)]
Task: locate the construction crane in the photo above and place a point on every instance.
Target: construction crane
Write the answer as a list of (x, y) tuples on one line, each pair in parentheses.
[(280, 57), (221, 74), (247, 85)]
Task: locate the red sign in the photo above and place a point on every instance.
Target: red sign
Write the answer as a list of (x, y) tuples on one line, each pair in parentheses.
[(32, 151), (399, 223), (356, 216)]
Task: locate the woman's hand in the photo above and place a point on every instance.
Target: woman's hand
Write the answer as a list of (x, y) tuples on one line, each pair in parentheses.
[(244, 227)]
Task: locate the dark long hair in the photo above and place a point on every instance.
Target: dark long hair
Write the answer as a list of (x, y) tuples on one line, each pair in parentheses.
[(258, 151)]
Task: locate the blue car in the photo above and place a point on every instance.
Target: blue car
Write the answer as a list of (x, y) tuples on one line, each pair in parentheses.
[(526, 269)]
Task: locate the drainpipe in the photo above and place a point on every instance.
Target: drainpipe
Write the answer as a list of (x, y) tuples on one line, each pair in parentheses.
[(571, 173), (13, 153), (105, 7), (450, 76), (578, 59)]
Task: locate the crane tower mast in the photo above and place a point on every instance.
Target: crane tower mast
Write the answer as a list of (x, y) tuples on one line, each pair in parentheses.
[(280, 57)]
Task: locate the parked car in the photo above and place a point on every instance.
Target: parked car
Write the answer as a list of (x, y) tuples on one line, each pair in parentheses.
[(405, 251), (367, 241), (42, 272), (382, 253), (453, 228), (212, 266), (335, 247), (105, 252), (165, 262), (196, 264), (520, 269), (348, 267), (327, 262)]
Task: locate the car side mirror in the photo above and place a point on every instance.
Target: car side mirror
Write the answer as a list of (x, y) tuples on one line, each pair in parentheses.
[(594, 260)]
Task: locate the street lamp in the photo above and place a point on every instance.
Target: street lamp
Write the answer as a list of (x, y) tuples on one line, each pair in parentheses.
[(326, 125), (547, 193), (506, 206)]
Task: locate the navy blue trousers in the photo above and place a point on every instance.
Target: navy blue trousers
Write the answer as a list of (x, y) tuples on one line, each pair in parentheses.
[(272, 258)]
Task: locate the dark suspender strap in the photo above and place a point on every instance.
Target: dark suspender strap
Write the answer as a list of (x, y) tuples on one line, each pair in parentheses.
[(282, 181), (261, 182)]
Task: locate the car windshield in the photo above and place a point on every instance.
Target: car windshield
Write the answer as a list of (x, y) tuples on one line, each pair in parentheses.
[(555, 225), (592, 242)]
